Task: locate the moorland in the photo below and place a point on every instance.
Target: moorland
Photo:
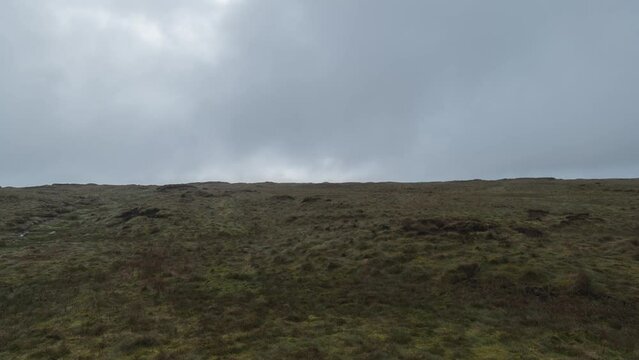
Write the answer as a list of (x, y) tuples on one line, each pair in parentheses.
[(508, 269)]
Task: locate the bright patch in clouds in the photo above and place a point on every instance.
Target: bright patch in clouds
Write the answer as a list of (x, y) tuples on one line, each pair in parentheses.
[(183, 32)]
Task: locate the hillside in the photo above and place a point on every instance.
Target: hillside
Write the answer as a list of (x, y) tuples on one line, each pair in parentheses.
[(510, 269)]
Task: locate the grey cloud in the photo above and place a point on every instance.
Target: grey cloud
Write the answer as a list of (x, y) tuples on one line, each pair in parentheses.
[(241, 90)]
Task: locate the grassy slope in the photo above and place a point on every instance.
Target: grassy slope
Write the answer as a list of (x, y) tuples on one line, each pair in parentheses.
[(364, 271)]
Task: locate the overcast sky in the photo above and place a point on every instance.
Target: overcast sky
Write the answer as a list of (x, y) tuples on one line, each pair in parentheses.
[(159, 91)]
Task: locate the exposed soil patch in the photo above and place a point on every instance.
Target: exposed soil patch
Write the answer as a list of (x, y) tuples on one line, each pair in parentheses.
[(438, 226), (152, 213), (468, 226), (189, 195), (205, 194), (464, 272), (537, 214), (529, 231), (282, 197), (230, 192), (578, 218), (423, 226), (311, 199), (170, 187)]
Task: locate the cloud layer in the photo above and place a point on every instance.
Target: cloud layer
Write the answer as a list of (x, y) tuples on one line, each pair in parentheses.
[(301, 90)]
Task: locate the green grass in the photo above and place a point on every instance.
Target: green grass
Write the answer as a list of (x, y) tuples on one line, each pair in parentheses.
[(512, 269)]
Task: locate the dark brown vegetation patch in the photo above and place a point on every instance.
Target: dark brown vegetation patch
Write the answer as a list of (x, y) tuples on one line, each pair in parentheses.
[(537, 214), (582, 285), (463, 272), (579, 218), (529, 231), (283, 197), (439, 226), (151, 213), (173, 187)]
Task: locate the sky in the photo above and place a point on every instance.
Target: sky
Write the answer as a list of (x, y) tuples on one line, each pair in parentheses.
[(159, 91)]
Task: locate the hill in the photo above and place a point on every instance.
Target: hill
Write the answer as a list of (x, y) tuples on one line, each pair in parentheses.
[(510, 269)]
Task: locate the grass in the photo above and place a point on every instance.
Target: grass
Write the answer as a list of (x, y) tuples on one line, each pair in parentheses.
[(511, 269)]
